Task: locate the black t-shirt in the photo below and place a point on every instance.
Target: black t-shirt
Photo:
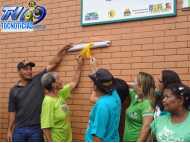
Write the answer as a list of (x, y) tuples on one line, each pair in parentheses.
[(26, 101)]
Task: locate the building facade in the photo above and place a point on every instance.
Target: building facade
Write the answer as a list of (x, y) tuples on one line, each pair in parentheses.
[(145, 45)]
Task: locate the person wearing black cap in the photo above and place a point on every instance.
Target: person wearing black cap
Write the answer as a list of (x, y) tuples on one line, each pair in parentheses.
[(122, 88), (25, 101), (105, 114)]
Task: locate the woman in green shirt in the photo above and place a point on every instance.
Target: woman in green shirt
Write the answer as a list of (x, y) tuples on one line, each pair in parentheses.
[(55, 115), (174, 127), (139, 114)]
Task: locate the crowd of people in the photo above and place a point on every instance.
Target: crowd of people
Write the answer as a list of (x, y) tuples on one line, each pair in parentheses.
[(121, 111)]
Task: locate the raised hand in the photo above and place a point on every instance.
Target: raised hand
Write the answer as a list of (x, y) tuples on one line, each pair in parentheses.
[(80, 60)]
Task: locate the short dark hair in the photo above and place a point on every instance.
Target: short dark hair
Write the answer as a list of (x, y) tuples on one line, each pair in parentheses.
[(47, 80), (170, 77), (181, 90), (25, 63)]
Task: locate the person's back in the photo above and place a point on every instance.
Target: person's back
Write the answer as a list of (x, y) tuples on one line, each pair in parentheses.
[(105, 116)]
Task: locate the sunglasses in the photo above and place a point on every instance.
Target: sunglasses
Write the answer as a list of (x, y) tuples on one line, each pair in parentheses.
[(179, 90)]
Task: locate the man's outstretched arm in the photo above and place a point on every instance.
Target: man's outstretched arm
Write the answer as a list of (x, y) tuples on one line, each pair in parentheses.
[(54, 63)]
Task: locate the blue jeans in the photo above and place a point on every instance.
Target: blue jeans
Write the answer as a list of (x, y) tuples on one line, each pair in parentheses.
[(28, 134)]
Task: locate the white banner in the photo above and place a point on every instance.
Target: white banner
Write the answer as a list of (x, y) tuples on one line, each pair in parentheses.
[(108, 11)]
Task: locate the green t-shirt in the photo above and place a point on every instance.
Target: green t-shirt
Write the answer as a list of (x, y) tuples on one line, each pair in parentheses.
[(134, 116), (56, 115), (166, 131)]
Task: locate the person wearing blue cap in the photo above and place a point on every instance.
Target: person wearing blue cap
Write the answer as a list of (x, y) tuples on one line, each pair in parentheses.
[(105, 114)]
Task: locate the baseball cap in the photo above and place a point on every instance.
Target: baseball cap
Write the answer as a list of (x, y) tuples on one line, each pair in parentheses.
[(103, 79), (24, 64)]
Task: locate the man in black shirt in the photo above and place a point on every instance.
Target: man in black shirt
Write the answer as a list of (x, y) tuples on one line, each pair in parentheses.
[(25, 101)]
